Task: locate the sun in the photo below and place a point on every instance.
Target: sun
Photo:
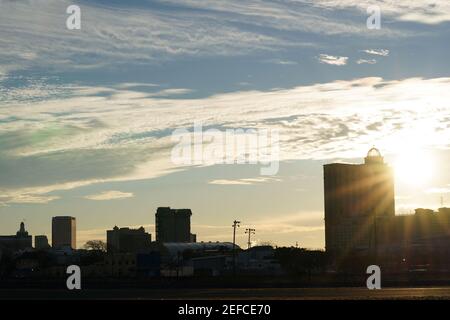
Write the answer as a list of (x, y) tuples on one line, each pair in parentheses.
[(413, 159), (414, 167)]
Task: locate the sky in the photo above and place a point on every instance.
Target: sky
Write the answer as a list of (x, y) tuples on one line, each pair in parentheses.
[(87, 116)]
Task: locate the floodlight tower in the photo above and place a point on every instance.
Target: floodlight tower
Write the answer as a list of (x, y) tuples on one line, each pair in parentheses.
[(250, 231), (235, 224)]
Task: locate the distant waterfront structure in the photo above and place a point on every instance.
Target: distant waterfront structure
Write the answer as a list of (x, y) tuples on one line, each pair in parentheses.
[(173, 225), (64, 231), (358, 198), (41, 242), (20, 241), (126, 240)]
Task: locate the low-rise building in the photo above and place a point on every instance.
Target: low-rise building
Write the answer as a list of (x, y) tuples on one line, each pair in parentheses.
[(41, 242), (126, 240)]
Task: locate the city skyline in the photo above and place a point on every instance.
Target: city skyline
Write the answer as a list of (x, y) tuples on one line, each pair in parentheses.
[(377, 199), (87, 116)]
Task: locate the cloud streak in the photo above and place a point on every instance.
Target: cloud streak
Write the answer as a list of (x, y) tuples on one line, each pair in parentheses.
[(244, 181), (366, 61), (377, 52), (109, 195), (332, 60)]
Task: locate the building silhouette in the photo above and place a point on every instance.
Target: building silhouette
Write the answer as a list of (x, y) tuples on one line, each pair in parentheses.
[(426, 227), (126, 240), (64, 232), (173, 225), (20, 241), (358, 199), (41, 242), (360, 218)]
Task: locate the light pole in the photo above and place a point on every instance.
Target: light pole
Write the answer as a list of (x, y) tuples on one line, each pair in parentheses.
[(235, 224), (250, 231)]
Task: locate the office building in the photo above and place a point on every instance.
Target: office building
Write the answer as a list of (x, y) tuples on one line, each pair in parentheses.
[(64, 232), (358, 199), (126, 240), (17, 242), (41, 242), (173, 225)]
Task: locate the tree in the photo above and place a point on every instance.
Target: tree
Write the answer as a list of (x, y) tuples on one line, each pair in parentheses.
[(97, 245)]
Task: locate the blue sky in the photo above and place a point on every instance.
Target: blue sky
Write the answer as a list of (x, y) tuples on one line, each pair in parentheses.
[(86, 116)]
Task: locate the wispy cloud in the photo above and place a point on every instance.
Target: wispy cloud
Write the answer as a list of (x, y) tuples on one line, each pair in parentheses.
[(109, 195), (281, 62), (377, 52), (425, 12), (27, 198), (113, 34), (127, 136), (244, 181), (173, 92), (365, 61), (244, 84), (333, 60)]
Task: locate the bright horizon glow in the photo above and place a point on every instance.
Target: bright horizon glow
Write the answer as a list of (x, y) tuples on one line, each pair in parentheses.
[(414, 167)]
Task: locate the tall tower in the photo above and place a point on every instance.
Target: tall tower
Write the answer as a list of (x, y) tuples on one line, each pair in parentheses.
[(173, 225), (64, 232), (356, 197)]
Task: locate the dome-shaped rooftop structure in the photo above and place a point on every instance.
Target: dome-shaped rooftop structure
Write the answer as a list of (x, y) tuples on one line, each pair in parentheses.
[(374, 156), (374, 152)]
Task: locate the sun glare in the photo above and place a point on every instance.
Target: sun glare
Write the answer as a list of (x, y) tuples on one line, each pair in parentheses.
[(414, 167), (413, 162)]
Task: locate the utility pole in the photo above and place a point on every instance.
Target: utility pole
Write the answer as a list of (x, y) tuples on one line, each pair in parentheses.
[(235, 224), (250, 231)]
